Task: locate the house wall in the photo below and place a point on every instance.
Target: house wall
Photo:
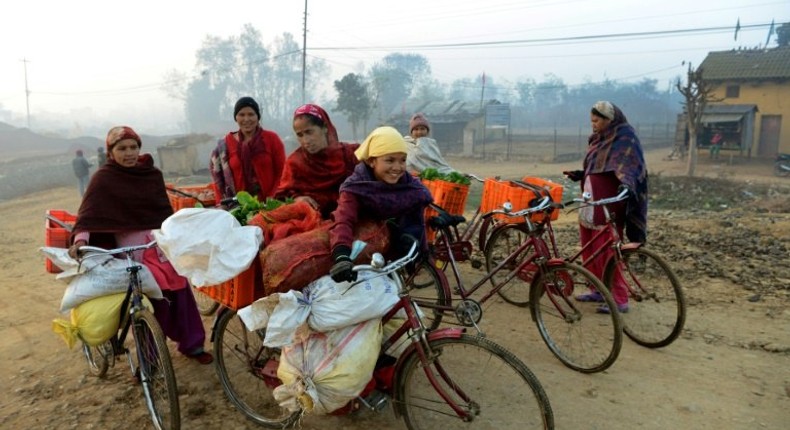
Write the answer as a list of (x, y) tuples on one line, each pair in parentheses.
[(771, 99)]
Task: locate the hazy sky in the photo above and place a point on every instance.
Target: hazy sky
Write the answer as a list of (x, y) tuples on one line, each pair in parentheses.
[(106, 59)]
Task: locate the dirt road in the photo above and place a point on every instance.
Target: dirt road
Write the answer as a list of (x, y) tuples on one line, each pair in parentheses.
[(730, 369)]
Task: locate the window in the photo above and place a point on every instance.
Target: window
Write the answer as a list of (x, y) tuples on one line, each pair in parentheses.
[(733, 91)]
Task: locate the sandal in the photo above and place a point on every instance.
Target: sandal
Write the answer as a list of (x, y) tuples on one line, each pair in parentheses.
[(202, 357), (594, 296)]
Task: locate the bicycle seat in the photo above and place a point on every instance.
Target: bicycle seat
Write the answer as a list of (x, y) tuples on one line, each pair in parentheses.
[(445, 220)]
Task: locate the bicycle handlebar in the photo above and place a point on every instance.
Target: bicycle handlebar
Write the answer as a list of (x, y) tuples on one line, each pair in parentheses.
[(585, 199), (377, 263), (545, 203), (101, 251)]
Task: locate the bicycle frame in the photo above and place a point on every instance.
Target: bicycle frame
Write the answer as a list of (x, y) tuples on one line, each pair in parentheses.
[(542, 257), (420, 343)]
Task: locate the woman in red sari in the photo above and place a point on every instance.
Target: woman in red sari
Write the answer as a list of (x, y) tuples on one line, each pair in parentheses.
[(314, 171), (250, 159), (125, 200)]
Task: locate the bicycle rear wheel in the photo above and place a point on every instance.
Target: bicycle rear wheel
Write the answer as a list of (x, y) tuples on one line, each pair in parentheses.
[(657, 306), (156, 372), (581, 338), (426, 287), (98, 357), (483, 378), (502, 243), (248, 372)]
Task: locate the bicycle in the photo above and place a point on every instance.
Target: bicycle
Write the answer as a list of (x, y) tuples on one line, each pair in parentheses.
[(657, 305), (150, 364), (444, 378), (579, 337)]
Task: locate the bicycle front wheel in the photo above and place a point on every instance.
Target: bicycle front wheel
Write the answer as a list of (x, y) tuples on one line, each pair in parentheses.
[(156, 372), (248, 372), (486, 381), (579, 336), (426, 287), (657, 306), (502, 243), (205, 304)]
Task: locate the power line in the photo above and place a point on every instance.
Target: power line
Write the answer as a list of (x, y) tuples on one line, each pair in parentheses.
[(550, 40)]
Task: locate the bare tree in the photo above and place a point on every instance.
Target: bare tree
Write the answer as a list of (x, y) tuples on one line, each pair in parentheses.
[(697, 93)]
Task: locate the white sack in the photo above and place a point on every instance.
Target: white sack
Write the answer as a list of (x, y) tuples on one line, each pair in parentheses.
[(324, 304), (96, 276), (322, 373), (208, 246)]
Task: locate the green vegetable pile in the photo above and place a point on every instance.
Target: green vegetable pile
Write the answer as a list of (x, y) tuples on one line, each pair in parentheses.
[(431, 174), (249, 206)]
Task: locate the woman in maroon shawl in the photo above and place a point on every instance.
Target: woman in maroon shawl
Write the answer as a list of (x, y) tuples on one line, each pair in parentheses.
[(614, 158), (125, 200), (250, 159), (380, 189), (314, 171)]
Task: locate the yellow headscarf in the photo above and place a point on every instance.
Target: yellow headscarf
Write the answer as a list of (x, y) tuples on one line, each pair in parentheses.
[(381, 141)]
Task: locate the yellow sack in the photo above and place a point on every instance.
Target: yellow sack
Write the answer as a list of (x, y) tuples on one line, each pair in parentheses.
[(93, 321)]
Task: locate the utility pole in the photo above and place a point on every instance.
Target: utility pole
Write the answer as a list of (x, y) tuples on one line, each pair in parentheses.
[(304, 53), (27, 93)]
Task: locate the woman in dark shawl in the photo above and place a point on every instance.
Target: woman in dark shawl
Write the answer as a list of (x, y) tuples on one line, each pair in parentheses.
[(614, 158), (313, 172), (379, 189), (125, 200)]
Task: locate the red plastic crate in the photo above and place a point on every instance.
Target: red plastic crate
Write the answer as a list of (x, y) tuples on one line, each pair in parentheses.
[(497, 192), (238, 292), (179, 201), (56, 235), (450, 196)]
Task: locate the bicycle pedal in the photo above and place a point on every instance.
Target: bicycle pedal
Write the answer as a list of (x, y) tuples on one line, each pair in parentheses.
[(375, 401)]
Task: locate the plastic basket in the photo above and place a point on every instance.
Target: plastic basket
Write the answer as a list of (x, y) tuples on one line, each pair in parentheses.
[(497, 192), (236, 293), (180, 201), (56, 235), (450, 196)]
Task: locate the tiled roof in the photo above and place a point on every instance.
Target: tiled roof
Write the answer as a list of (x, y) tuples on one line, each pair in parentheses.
[(751, 64)]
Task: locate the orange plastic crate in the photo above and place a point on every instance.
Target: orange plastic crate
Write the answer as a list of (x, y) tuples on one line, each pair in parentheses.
[(450, 196), (56, 235), (497, 192), (236, 293), (178, 201)]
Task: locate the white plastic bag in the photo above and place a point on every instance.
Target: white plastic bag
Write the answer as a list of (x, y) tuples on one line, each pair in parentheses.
[(208, 246), (322, 373), (96, 276), (324, 304)]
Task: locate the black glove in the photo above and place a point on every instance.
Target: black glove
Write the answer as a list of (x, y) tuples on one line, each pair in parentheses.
[(341, 270), (574, 175)]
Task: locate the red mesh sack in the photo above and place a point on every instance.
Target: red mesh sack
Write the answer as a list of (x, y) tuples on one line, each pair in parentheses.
[(285, 221), (295, 261)]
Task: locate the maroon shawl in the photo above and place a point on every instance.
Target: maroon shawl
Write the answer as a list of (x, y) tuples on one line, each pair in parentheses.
[(123, 199)]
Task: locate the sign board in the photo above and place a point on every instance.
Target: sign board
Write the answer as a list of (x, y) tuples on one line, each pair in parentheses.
[(498, 115)]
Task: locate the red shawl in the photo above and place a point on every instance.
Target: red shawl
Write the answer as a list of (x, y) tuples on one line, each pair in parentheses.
[(123, 199), (318, 175), (255, 166)]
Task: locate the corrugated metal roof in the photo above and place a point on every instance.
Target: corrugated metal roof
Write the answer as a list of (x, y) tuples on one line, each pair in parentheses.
[(747, 64), (729, 109)]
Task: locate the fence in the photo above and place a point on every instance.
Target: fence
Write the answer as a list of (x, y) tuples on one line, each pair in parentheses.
[(560, 144)]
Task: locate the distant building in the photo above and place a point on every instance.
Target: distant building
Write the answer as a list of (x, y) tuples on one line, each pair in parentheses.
[(456, 125), (754, 88)]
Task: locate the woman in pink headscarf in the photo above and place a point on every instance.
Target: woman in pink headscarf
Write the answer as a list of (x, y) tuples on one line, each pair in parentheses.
[(314, 171)]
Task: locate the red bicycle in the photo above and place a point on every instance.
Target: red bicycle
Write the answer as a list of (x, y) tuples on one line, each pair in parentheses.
[(657, 306), (443, 379), (524, 273)]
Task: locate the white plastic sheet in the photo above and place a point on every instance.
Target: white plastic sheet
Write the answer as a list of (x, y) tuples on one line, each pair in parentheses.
[(208, 246)]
